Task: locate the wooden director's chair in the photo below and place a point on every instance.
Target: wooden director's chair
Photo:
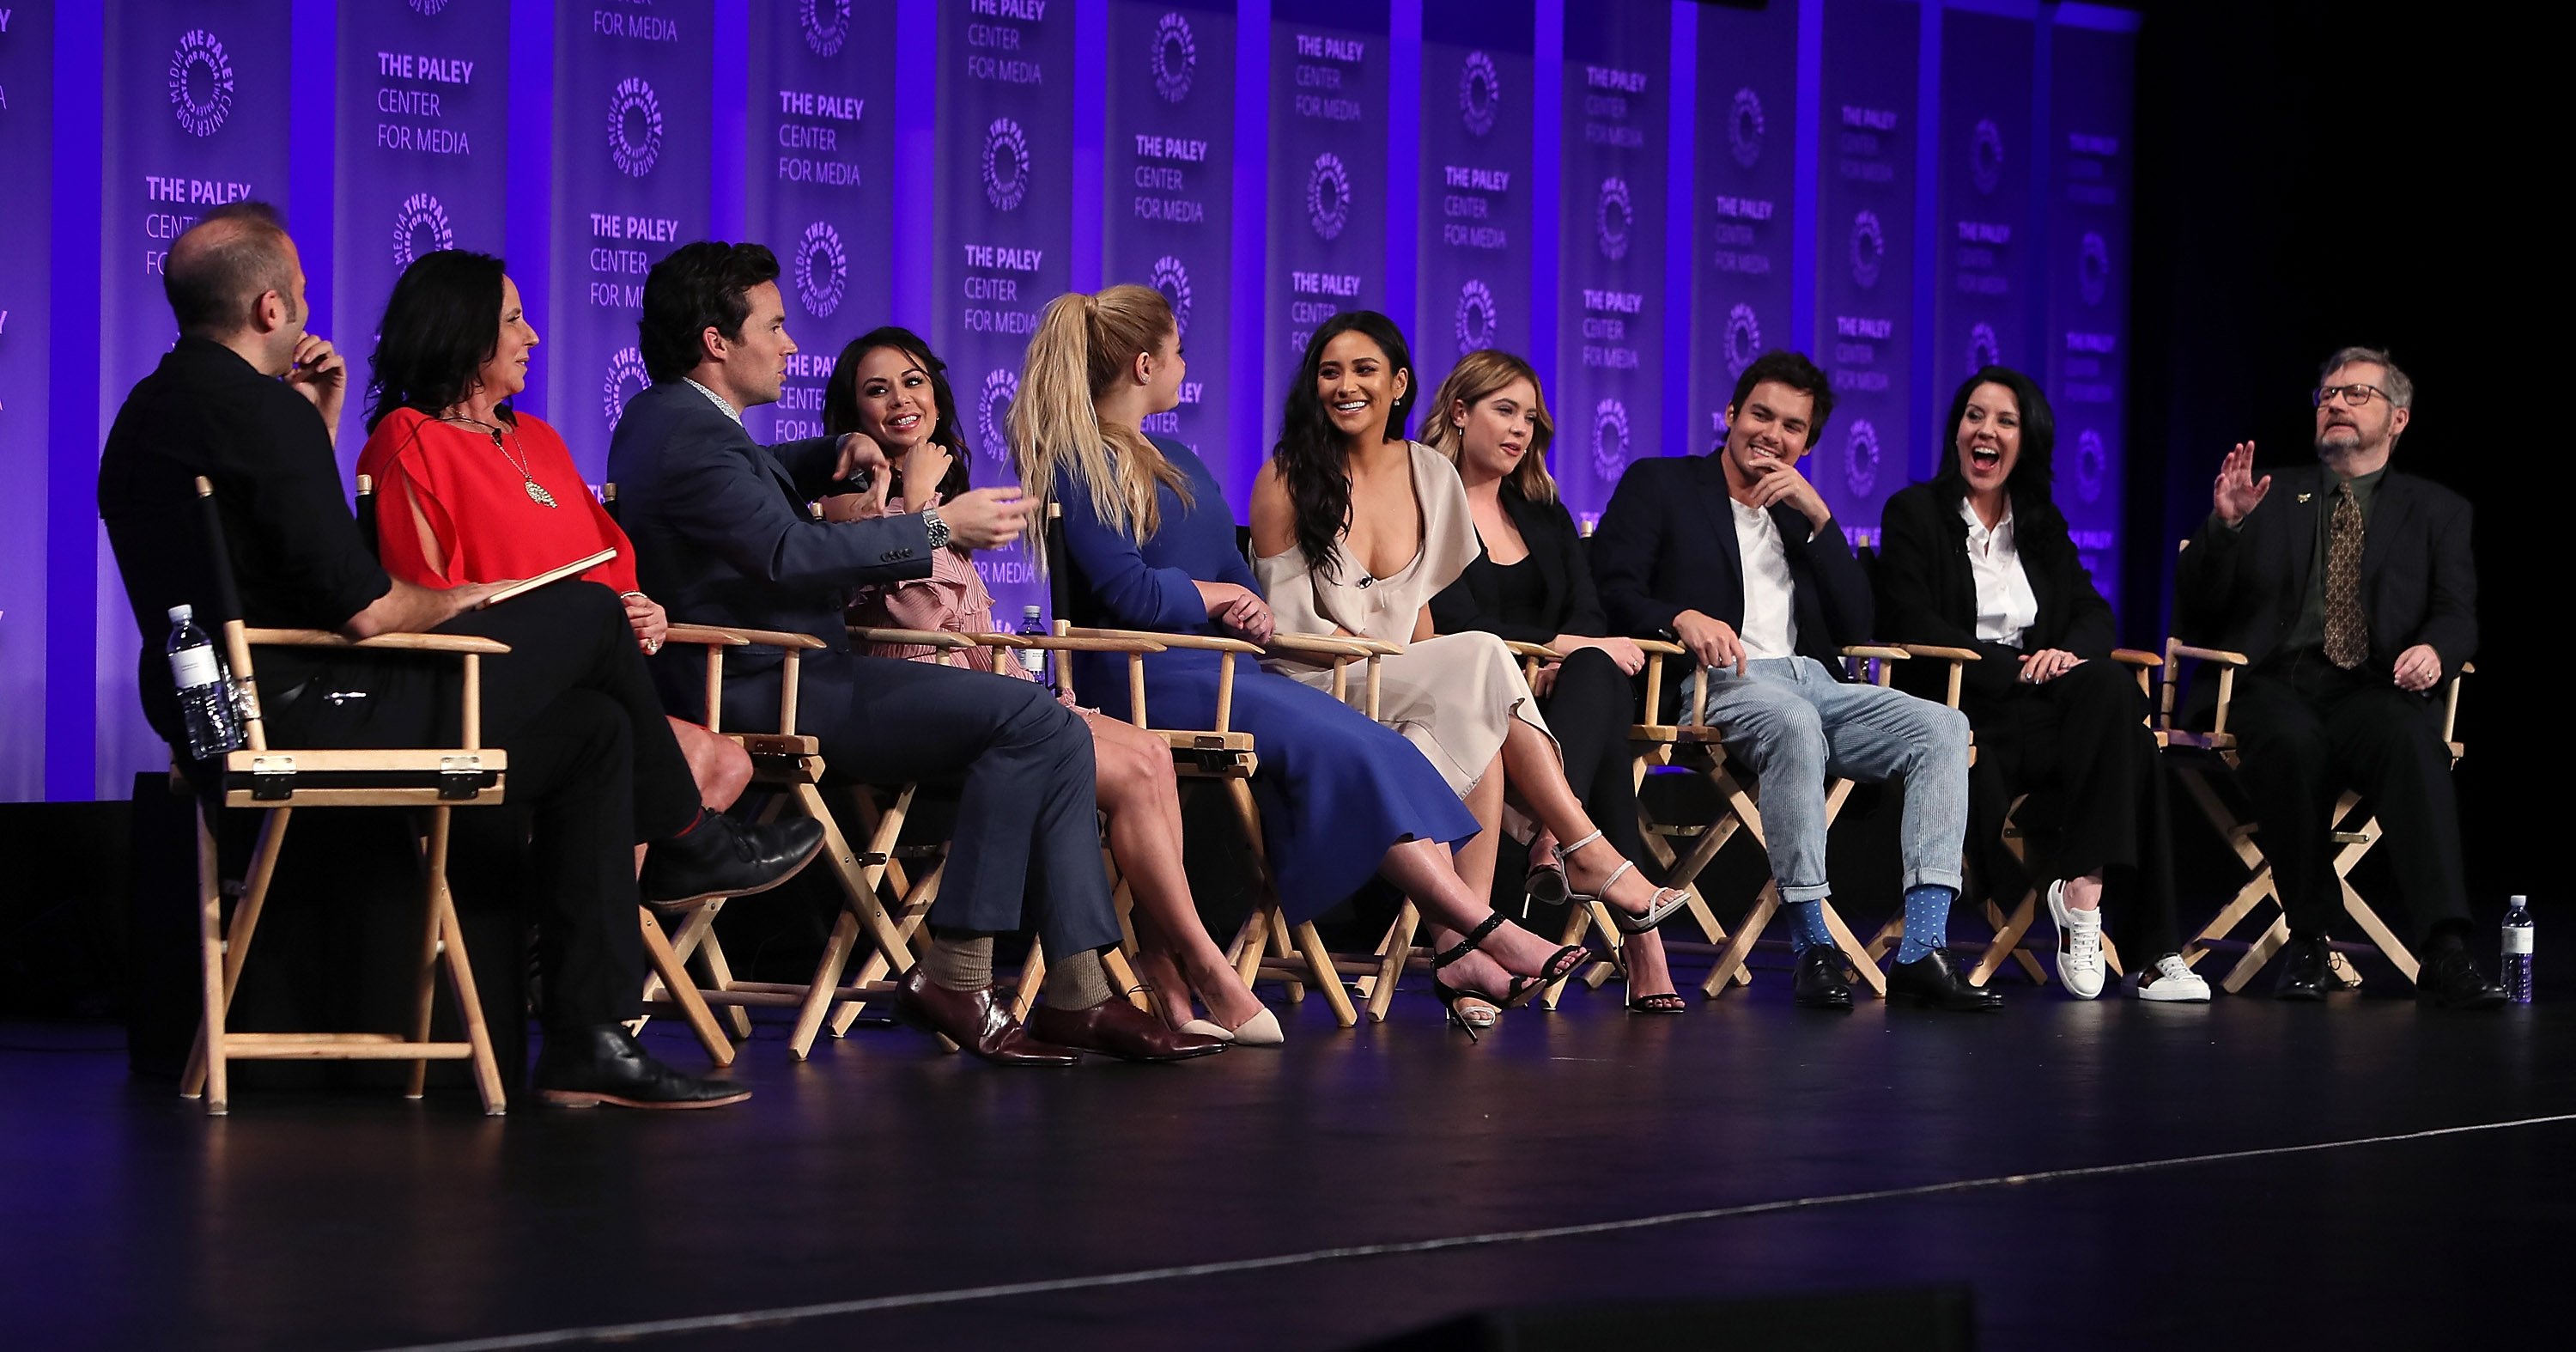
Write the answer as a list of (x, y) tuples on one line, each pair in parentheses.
[(663, 961), (274, 782), (2200, 757)]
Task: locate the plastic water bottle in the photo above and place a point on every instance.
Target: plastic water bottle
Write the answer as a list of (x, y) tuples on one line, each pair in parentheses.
[(206, 702), (2517, 950), (1033, 660)]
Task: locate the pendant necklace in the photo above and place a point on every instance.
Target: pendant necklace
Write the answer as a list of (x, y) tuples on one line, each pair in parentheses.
[(536, 491)]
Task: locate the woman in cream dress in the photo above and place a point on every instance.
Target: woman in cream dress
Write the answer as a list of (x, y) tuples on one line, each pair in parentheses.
[(1354, 529)]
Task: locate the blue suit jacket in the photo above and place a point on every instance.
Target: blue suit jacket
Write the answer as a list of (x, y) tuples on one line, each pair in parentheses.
[(722, 530), (1666, 544)]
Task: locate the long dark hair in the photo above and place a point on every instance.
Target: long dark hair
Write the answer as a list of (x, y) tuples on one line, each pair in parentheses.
[(841, 400), (1309, 453), (441, 324), (2028, 485)]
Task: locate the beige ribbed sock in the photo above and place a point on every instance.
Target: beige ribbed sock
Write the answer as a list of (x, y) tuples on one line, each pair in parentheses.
[(1076, 981), (959, 961)]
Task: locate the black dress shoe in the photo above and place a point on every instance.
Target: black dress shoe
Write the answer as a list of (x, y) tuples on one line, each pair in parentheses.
[(2307, 970), (1820, 983), (1116, 1028), (722, 857), (586, 1067), (975, 1021), (1933, 980), (2451, 980)]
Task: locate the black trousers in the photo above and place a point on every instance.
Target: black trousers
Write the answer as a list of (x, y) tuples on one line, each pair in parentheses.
[(2080, 745), (593, 770), (1026, 850), (2306, 729), (1590, 709)]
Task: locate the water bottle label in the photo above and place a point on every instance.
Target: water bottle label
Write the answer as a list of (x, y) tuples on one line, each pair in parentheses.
[(1033, 660), (2517, 942), (193, 667)]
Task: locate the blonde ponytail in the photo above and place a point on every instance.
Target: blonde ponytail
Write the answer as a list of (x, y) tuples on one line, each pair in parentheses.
[(1083, 343)]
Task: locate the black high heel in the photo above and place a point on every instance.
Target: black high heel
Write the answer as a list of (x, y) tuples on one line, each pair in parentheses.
[(1561, 964)]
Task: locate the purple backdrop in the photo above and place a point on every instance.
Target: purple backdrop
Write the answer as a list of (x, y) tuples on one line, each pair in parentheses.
[(1612, 300), (1005, 230), (1168, 208), (633, 90), (26, 145), (1479, 87), (1745, 217), (1865, 257), (1328, 182), (2090, 138), (1986, 262), (818, 160), (423, 140)]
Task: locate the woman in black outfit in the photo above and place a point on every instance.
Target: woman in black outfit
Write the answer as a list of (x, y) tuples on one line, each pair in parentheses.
[(1531, 585), (1980, 558)]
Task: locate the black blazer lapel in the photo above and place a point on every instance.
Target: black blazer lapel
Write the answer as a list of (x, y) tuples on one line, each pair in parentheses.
[(2391, 508), (1716, 505), (2303, 486)]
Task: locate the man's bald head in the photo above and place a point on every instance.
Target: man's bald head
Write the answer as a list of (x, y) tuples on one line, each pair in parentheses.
[(220, 268)]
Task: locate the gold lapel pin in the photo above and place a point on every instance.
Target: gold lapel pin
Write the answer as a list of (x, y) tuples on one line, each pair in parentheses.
[(2303, 497)]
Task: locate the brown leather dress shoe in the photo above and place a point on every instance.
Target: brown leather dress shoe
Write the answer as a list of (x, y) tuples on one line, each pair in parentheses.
[(975, 1021), (1116, 1028)]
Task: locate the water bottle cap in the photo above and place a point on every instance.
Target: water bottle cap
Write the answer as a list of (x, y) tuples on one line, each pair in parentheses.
[(2517, 900), (1030, 611), (182, 614)]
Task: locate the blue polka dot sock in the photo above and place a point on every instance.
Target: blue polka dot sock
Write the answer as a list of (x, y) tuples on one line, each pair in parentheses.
[(1927, 921), (1806, 924)]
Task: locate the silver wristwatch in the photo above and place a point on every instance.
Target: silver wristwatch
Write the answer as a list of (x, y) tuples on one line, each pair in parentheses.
[(938, 528)]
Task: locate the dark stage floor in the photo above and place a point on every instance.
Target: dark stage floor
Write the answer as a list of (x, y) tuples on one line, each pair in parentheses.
[(2107, 1175)]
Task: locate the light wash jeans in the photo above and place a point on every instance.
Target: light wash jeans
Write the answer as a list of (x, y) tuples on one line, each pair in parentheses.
[(1790, 721)]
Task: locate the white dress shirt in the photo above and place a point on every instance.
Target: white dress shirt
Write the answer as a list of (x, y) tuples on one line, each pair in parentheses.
[(2006, 606), (1770, 627)]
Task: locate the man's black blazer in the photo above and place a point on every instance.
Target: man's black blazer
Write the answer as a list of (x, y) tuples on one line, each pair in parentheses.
[(2242, 589), (1568, 599), (1928, 594), (721, 530), (1666, 544)]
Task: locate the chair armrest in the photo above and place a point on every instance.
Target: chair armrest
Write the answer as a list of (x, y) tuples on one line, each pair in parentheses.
[(2132, 657), (1198, 642), (918, 638), (1538, 650), (1331, 645), (704, 636), (425, 643), (2218, 655), (1660, 647), (1076, 643), (1934, 651), (2468, 668), (1877, 652)]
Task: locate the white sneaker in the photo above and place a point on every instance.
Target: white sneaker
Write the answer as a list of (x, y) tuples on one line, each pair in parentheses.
[(2079, 945), (2169, 980)]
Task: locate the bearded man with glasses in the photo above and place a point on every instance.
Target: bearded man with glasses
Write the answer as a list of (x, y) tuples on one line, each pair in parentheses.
[(2350, 587)]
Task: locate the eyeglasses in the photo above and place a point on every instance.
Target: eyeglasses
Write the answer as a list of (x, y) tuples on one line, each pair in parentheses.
[(2355, 395)]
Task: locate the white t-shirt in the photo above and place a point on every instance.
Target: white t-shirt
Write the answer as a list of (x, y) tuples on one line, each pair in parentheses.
[(2006, 606), (1770, 627)]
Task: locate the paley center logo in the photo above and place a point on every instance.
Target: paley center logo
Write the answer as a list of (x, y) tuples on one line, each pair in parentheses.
[(822, 269), (993, 411), (1744, 128), (2092, 464), (826, 24), (1176, 57), (1986, 155), (1477, 316), (201, 83), (1609, 439), (1868, 248), (2093, 267), (1860, 458), (420, 227), (634, 126), (627, 378), (1612, 218), (1006, 164), (1328, 195), (1172, 278), (428, 9), (1984, 348), (1480, 93), (1743, 339)]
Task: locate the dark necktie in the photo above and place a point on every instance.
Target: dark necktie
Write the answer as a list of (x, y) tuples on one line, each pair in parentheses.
[(2347, 642)]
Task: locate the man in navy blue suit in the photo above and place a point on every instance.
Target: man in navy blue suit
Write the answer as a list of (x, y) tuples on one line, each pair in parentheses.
[(1736, 556), (724, 535)]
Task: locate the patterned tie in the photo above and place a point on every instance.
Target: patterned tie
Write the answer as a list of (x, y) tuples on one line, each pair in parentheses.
[(2347, 643)]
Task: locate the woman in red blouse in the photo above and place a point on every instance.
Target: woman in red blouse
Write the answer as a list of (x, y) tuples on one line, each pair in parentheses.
[(468, 490)]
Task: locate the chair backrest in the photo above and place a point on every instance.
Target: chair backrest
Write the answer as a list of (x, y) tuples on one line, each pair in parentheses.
[(228, 627), (366, 508), (608, 502)]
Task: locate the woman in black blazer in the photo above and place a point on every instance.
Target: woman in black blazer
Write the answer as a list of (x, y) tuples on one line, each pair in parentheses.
[(1980, 558), (1530, 584)]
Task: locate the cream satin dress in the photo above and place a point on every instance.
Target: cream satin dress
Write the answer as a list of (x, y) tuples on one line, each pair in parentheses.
[(1452, 696)]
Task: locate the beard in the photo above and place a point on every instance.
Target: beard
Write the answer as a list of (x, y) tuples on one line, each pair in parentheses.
[(2343, 439)]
